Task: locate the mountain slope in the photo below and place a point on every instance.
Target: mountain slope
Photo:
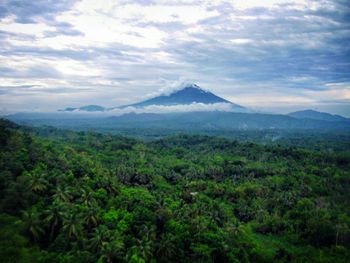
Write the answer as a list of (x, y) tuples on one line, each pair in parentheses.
[(188, 95), (316, 115)]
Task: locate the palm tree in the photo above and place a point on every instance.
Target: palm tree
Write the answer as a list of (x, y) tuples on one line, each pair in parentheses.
[(37, 182), (87, 198), (112, 184), (166, 248), (143, 249), (217, 216), (144, 246), (233, 231), (53, 218), (92, 217), (147, 233), (63, 195), (99, 238), (112, 251), (33, 224), (72, 226)]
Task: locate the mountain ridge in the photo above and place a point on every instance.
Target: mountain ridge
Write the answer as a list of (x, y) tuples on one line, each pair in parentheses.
[(317, 115), (188, 94)]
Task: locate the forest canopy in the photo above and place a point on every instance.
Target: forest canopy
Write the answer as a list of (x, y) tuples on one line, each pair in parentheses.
[(70, 196)]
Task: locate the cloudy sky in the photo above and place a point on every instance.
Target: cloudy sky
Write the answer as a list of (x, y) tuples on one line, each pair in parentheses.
[(270, 55)]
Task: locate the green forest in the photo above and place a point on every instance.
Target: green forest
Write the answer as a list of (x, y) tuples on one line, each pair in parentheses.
[(69, 196)]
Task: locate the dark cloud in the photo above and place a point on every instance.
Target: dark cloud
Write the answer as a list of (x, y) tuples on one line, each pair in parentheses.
[(25, 11), (33, 72), (281, 45), (19, 90), (63, 29)]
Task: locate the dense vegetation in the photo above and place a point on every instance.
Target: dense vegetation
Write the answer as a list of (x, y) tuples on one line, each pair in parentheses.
[(84, 197), (320, 140)]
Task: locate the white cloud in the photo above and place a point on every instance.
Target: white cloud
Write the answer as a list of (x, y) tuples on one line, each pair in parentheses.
[(121, 52), (164, 109), (335, 91), (101, 25), (241, 41), (186, 14), (65, 66)]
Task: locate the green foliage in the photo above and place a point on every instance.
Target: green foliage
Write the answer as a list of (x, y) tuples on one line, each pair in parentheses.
[(84, 197)]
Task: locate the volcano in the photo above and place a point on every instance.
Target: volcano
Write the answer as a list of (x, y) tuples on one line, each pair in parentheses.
[(188, 94)]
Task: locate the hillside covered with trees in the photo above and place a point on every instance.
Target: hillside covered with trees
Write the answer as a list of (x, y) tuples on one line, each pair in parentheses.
[(86, 197)]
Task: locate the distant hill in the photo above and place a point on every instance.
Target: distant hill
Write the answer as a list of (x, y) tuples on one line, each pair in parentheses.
[(222, 120), (213, 120), (187, 95), (90, 108), (316, 115)]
